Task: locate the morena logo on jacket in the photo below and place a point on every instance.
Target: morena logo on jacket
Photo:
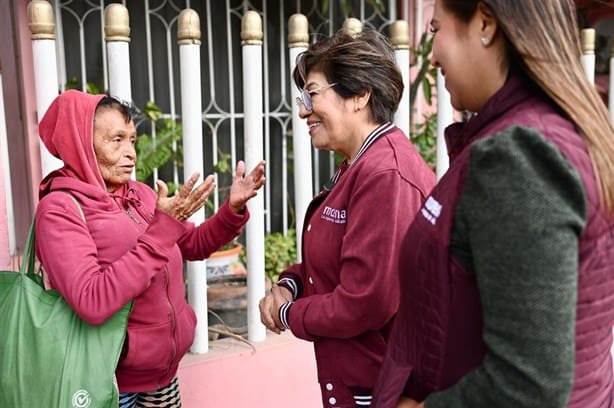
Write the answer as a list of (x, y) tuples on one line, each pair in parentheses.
[(334, 215), (431, 210)]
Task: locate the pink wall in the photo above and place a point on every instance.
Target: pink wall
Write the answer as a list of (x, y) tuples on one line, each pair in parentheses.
[(5, 256), (21, 121)]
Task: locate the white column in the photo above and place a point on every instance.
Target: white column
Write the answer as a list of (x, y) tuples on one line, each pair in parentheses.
[(445, 116), (117, 37), (588, 52), (42, 27), (251, 36), (400, 40), (191, 120), (298, 37)]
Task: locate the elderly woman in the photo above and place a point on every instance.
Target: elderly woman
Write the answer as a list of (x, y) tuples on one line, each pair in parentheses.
[(104, 239), (344, 295)]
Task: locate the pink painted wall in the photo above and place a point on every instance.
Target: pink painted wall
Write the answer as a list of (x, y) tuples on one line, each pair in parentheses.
[(5, 256)]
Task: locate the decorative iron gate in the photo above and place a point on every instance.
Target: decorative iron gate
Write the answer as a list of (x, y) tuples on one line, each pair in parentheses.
[(154, 63)]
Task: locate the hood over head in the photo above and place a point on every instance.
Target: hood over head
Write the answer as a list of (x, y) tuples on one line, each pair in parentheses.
[(67, 130)]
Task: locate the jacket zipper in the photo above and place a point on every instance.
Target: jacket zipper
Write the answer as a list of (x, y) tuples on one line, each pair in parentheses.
[(129, 213), (173, 323), (170, 305)]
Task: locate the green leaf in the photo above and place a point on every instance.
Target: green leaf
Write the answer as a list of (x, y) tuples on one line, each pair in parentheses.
[(279, 253), (92, 88), (378, 6), (152, 111), (223, 163), (153, 154), (324, 7), (427, 87)]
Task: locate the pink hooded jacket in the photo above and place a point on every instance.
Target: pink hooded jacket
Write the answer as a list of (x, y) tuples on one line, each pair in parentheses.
[(124, 250)]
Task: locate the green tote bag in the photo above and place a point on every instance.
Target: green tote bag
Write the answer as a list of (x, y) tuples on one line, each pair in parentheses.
[(49, 357)]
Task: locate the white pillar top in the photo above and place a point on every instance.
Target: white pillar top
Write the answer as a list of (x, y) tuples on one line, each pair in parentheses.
[(40, 20), (188, 27), (298, 31), (399, 35), (251, 29), (116, 23), (587, 36), (352, 26)]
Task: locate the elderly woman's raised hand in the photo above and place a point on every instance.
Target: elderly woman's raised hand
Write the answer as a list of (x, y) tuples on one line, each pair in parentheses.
[(187, 200), (245, 187)]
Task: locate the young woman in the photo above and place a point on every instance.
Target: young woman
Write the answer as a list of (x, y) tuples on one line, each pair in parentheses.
[(507, 280)]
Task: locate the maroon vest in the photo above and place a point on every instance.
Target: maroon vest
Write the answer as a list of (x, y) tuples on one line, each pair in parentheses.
[(437, 338)]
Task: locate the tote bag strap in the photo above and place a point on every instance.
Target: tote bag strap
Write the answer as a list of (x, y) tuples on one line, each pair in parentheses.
[(27, 264), (78, 206), (46, 283), (131, 303)]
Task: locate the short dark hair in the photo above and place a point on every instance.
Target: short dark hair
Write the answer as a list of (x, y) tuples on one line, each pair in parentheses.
[(128, 110), (357, 64)]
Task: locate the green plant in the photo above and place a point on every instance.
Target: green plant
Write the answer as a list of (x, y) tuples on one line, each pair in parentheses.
[(424, 137), (90, 87), (279, 253), (155, 153), (424, 134), (426, 76)]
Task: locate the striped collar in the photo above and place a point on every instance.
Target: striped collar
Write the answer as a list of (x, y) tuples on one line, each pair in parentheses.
[(346, 164)]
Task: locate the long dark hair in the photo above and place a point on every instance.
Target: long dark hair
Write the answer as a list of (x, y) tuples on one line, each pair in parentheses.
[(543, 35)]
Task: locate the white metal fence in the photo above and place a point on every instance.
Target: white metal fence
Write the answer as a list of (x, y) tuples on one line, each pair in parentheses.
[(133, 50), (229, 86), (154, 66)]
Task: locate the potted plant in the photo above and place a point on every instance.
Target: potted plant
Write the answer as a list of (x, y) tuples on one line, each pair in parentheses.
[(227, 294), (225, 261)]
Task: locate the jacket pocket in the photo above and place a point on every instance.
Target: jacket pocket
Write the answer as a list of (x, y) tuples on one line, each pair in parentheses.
[(149, 348), (186, 324)]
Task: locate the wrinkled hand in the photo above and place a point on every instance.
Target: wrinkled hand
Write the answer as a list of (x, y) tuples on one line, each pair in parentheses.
[(187, 200), (269, 307), (244, 188), (405, 402)]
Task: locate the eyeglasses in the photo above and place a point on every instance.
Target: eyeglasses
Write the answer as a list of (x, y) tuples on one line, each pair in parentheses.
[(305, 98)]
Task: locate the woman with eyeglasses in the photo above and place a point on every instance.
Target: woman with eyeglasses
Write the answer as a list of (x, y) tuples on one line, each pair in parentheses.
[(344, 294)]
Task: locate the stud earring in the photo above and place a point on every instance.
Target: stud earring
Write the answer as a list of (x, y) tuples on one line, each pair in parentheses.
[(485, 41)]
